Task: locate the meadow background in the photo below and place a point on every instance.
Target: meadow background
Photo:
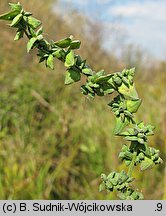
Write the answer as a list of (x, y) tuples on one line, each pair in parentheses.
[(54, 142)]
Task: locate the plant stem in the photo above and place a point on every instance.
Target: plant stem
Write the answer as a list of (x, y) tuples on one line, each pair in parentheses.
[(131, 167), (29, 37)]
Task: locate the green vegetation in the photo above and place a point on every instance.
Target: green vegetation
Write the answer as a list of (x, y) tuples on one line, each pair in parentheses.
[(54, 147)]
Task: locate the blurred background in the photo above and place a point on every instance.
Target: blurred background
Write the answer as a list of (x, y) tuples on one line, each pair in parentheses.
[(54, 142)]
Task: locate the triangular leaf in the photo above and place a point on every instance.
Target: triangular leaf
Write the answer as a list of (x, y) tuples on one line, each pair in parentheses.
[(50, 62), (10, 15), (102, 78), (146, 150), (19, 35), (15, 6), (75, 44), (69, 59), (120, 125), (128, 91), (15, 10), (60, 54), (31, 43), (16, 20), (101, 187), (133, 105), (100, 73), (72, 76), (118, 81), (108, 91), (64, 43), (107, 88), (84, 90), (131, 138), (27, 14), (87, 71), (125, 133), (33, 22), (39, 31), (146, 163)]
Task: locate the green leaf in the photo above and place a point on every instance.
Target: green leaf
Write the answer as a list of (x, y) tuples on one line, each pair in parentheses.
[(33, 22), (50, 61), (69, 59), (117, 80), (111, 175), (32, 32), (90, 89), (39, 31), (122, 196), (140, 140), (15, 10), (40, 37), (103, 177), (131, 131), (125, 81), (146, 150), (83, 63), (131, 71), (19, 35), (15, 6), (131, 138), (107, 88), (31, 43), (133, 105), (9, 16), (75, 44), (27, 14), (125, 133), (102, 78), (100, 73), (129, 92), (146, 163), (78, 60), (84, 90), (101, 187), (150, 127), (108, 91), (87, 71), (64, 43), (16, 20), (60, 53), (72, 76), (127, 113), (120, 125), (123, 176)]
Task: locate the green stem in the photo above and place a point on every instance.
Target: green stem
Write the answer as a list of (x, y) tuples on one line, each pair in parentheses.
[(131, 167), (28, 36)]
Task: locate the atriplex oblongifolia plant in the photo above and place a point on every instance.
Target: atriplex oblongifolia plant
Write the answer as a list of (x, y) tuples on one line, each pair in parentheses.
[(123, 105)]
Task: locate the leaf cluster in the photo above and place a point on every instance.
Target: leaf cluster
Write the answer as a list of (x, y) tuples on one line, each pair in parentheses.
[(124, 105), (120, 182)]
